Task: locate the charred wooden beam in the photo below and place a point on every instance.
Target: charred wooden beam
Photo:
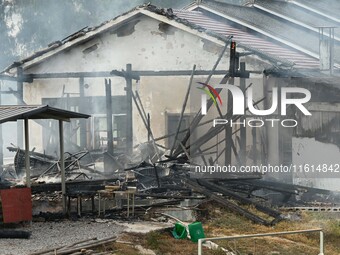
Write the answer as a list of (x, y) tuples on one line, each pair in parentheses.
[(213, 131), (52, 187), (222, 201), (6, 233), (125, 74), (135, 75), (16, 79), (183, 109), (198, 117), (104, 74), (287, 188), (146, 120), (228, 193), (167, 196)]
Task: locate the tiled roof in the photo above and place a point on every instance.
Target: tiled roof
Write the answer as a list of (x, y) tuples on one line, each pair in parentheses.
[(289, 33), (272, 25), (291, 11), (196, 20), (329, 8), (300, 60)]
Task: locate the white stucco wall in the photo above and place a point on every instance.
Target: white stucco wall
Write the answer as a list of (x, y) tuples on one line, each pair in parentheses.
[(146, 48), (309, 153)]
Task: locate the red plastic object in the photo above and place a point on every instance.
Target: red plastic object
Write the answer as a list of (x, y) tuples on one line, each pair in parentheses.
[(16, 205)]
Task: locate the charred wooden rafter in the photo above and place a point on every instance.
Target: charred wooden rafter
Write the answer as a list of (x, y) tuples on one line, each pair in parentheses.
[(225, 202)]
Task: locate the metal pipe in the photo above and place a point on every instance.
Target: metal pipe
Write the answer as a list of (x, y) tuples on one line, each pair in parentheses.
[(321, 243), (200, 242)]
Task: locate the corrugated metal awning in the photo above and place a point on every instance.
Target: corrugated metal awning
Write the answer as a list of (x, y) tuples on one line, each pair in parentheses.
[(19, 112)]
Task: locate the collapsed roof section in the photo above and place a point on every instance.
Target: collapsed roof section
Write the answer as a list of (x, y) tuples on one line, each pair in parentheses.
[(194, 22)]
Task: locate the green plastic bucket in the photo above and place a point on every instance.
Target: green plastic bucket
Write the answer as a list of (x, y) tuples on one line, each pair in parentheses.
[(196, 231), (179, 231)]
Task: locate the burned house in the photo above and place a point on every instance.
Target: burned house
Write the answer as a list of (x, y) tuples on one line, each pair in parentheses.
[(152, 51), (311, 28)]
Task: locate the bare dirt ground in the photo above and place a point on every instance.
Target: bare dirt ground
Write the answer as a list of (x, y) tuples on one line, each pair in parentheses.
[(47, 235), (146, 237)]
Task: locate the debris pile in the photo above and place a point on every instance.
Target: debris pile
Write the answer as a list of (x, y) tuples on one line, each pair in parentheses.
[(152, 175), (82, 247), (77, 165)]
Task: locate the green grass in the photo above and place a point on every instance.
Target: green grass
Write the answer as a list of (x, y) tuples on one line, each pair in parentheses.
[(218, 221)]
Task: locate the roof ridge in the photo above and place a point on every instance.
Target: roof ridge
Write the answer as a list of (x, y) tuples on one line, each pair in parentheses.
[(167, 12)]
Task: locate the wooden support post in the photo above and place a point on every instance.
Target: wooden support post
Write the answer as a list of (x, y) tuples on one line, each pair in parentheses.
[(69, 128), (109, 116), (62, 165), (82, 109), (149, 127), (279, 128), (253, 133), (128, 204), (243, 131), (20, 96), (1, 139), (265, 135), (228, 135), (27, 155), (129, 121)]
